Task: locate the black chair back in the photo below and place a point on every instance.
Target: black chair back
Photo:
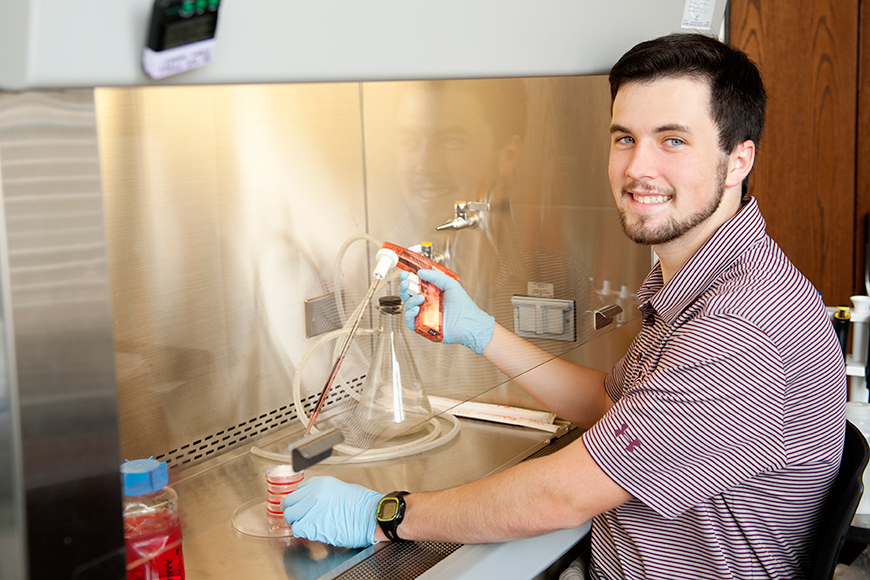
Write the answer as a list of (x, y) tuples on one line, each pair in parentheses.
[(841, 504)]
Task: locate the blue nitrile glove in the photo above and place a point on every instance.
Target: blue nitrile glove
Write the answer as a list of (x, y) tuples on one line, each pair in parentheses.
[(328, 510), (464, 322)]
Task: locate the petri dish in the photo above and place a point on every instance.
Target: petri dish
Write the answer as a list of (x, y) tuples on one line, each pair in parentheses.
[(252, 519)]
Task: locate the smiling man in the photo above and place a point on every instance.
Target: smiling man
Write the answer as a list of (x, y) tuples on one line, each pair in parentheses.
[(671, 163), (651, 157), (711, 445)]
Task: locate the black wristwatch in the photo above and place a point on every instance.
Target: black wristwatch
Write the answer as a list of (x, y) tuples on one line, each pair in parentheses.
[(391, 512)]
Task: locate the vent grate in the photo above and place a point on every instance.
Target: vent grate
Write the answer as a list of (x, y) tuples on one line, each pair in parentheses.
[(242, 433), (400, 561)]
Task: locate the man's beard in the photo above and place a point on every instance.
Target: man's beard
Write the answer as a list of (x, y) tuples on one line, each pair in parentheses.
[(672, 228)]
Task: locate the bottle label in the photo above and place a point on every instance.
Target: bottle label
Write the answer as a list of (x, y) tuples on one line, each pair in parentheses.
[(153, 548)]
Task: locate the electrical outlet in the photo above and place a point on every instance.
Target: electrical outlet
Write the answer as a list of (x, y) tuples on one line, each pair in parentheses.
[(550, 318)]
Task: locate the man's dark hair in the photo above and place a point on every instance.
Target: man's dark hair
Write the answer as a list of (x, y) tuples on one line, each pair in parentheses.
[(738, 100)]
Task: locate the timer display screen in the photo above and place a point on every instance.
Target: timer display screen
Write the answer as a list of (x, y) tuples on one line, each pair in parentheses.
[(189, 30)]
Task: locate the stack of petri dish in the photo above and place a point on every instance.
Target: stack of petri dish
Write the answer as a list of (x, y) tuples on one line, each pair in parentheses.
[(263, 517), (280, 481)]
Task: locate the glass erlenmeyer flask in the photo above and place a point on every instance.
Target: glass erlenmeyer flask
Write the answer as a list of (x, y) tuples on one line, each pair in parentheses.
[(392, 399)]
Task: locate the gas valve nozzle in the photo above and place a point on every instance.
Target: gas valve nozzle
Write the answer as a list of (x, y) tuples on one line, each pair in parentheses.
[(465, 215)]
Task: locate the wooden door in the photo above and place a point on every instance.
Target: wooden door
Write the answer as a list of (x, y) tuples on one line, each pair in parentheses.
[(809, 167)]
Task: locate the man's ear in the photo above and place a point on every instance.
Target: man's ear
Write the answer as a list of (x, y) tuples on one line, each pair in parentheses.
[(510, 154), (740, 163)]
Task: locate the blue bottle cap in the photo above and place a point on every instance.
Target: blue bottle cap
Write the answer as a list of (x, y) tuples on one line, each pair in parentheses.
[(143, 476)]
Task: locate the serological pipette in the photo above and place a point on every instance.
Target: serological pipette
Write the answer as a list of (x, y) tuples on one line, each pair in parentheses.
[(386, 260)]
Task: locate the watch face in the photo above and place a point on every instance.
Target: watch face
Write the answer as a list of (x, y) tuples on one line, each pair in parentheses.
[(388, 508)]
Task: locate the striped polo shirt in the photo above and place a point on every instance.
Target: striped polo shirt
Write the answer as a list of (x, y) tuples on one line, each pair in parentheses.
[(729, 418)]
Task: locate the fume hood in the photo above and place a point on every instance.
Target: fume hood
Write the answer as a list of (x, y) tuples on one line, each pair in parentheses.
[(165, 244)]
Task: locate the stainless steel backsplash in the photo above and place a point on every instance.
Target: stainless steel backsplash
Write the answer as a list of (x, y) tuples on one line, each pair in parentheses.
[(227, 207)]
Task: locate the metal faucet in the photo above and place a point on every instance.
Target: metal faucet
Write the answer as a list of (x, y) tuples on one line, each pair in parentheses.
[(465, 215)]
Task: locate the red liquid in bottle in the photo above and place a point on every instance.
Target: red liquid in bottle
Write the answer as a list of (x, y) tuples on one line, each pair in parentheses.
[(153, 544)]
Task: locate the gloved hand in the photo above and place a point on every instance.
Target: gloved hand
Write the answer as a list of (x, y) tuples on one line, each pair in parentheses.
[(464, 322), (328, 510)]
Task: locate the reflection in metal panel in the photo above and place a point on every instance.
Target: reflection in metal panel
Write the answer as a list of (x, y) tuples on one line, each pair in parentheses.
[(12, 529), (225, 207), (536, 151), (60, 368), (229, 206)]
